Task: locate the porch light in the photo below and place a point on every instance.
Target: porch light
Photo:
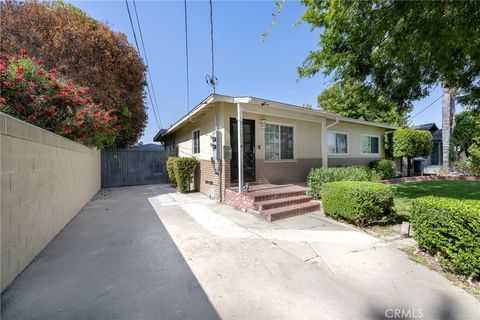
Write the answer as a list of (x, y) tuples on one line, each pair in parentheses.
[(263, 123)]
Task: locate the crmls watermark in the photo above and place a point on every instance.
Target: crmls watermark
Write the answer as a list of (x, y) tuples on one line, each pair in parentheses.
[(400, 313)]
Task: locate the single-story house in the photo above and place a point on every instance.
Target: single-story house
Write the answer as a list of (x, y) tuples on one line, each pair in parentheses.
[(281, 142), (435, 160)]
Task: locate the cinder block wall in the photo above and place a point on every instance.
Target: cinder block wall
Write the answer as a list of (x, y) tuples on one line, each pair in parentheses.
[(46, 180)]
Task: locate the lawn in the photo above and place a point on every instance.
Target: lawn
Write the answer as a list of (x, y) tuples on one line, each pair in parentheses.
[(406, 192)]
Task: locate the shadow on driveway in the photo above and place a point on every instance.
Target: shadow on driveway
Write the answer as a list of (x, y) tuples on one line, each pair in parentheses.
[(114, 260)]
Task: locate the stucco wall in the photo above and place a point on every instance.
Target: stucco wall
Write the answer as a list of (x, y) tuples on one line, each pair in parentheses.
[(45, 181), (355, 132), (307, 142)]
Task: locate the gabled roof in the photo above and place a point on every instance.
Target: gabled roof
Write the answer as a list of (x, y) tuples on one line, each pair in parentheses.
[(427, 126), (273, 104), (437, 135)]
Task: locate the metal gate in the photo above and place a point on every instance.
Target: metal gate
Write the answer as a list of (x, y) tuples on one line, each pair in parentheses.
[(129, 167)]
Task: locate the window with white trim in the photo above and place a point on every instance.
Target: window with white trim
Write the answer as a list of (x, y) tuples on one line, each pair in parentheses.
[(196, 141), (337, 143), (370, 144), (278, 142)]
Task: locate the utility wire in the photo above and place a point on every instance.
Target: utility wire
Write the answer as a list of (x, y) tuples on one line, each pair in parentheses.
[(211, 79), (431, 104), (138, 49), (155, 107), (186, 54), (211, 38)]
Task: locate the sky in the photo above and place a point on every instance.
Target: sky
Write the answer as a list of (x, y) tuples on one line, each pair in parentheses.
[(244, 65)]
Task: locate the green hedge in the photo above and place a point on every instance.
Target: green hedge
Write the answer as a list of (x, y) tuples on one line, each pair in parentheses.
[(449, 229), (386, 169), (183, 169), (318, 176), (358, 202), (171, 169), (412, 143)]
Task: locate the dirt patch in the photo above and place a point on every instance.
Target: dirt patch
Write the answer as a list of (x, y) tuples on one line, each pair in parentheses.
[(391, 234), (426, 259)]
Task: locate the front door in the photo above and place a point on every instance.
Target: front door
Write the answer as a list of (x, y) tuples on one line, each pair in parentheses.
[(248, 150)]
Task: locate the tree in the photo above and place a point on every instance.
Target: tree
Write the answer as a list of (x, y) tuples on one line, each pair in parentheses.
[(355, 100), (411, 143), (82, 49), (467, 129), (42, 97), (399, 49)]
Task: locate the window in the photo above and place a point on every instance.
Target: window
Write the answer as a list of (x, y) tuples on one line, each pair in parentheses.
[(278, 142), (370, 144), (196, 141), (337, 143)]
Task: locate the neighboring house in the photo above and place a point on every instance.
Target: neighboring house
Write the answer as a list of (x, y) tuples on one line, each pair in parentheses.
[(149, 147), (434, 161), (281, 142)]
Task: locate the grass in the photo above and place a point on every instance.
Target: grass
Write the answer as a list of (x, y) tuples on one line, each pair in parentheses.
[(406, 192)]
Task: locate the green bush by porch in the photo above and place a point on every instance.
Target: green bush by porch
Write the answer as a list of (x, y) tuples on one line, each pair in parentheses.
[(319, 176), (180, 171), (358, 202), (171, 169), (449, 229), (386, 169)]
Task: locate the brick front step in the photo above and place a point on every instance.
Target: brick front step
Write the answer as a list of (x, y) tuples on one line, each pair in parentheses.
[(290, 211), (273, 202), (281, 202), (276, 194)]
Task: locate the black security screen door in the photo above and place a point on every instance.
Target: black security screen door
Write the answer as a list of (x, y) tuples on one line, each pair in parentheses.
[(248, 150)]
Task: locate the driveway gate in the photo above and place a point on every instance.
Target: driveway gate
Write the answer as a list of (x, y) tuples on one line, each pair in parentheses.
[(129, 167)]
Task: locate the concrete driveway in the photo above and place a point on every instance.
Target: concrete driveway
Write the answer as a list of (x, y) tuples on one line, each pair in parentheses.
[(152, 253), (305, 267), (114, 260)]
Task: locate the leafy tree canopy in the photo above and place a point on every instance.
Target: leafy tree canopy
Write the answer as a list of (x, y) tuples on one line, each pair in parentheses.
[(398, 48), (355, 100), (82, 49), (467, 130)]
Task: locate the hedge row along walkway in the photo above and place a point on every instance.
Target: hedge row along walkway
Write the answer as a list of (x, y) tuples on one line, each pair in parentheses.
[(425, 178)]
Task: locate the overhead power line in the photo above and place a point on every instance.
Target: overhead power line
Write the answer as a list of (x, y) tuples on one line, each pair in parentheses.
[(150, 82), (431, 104), (186, 53), (156, 112), (212, 79)]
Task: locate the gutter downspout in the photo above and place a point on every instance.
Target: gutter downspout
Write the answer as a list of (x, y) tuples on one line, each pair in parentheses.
[(218, 166), (324, 140), (240, 146)]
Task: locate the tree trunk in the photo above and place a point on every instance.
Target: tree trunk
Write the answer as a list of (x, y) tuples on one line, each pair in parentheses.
[(448, 112)]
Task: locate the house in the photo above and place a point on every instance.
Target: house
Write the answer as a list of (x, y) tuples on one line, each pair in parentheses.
[(281, 142), (434, 161)]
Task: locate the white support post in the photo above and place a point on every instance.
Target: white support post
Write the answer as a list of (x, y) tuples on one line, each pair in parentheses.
[(240, 146), (324, 144)]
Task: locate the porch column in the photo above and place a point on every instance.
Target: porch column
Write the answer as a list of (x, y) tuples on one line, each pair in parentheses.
[(240, 146), (324, 144)]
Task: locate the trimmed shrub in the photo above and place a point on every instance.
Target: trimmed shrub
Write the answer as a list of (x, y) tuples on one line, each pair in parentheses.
[(411, 143), (318, 176), (358, 202), (449, 229), (171, 169), (184, 168), (386, 169)]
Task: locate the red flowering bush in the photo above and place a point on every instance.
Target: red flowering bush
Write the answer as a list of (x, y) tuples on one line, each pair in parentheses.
[(31, 93)]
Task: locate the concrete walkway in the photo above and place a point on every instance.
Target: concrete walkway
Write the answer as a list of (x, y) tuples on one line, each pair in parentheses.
[(114, 260), (192, 258), (305, 267)]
